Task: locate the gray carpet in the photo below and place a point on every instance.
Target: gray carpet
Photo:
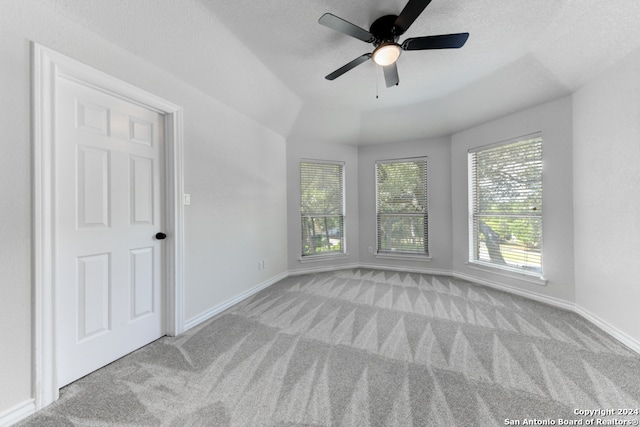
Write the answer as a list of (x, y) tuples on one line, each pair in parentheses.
[(365, 347)]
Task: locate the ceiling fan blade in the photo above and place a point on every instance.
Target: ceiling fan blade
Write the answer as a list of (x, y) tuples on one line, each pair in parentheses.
[(340, 71), (445, 41), (391, 75), (345, 27), (410, 13)]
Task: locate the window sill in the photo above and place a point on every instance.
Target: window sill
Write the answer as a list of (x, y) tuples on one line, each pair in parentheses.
[(410, 257), (318, 258), (526, 277)]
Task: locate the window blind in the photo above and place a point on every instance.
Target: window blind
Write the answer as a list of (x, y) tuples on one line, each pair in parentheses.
[(505, 190), (401, 199), (322, 207)]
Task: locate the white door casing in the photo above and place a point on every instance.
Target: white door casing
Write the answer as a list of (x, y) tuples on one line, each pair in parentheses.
[(97, 163)]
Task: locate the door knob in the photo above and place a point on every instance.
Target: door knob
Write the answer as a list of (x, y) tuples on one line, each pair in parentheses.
[(161, 236)]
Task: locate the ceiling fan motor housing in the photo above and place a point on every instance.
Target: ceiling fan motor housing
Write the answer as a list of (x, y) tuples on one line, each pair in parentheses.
[(385, 31)]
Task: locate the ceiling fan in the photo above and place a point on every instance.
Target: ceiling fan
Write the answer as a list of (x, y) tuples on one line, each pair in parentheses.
[(384, 34)]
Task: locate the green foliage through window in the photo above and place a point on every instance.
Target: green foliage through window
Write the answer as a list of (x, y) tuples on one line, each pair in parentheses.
[(506, 201), (402, 219), (322, 207)]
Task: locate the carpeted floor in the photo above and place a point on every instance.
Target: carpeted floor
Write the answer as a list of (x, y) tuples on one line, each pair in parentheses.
[(365, 347)]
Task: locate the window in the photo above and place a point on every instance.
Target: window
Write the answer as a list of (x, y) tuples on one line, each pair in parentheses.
[(505, 202), (322, 207), (401, 199)]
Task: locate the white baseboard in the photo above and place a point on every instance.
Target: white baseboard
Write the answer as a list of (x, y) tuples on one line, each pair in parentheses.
[(17, 413), (323, 269), (27, 408), (556, 302), (208, 314), (407, 269), (625, 339)]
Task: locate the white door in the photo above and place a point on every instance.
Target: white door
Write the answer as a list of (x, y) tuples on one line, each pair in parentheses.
[(108, 189)]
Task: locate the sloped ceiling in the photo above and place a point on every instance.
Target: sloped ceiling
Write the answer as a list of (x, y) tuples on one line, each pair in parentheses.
[(520, 53)]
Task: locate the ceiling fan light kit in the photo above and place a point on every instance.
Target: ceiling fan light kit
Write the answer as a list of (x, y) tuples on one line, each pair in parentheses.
[(384, 34), (386, 54)]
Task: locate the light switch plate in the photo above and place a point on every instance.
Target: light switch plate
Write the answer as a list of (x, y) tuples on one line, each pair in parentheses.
[(187, 199)]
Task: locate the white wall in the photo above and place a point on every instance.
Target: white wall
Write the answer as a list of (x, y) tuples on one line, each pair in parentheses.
[(606, 171), (553, 119), (15, 211), (299, 148), (439, 200), (234, 170)]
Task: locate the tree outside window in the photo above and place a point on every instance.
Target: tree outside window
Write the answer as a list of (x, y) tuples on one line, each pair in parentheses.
[(402, 217), (322, 207), (506, 204)]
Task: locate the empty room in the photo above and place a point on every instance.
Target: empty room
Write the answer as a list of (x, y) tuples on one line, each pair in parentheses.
[(390, 213)]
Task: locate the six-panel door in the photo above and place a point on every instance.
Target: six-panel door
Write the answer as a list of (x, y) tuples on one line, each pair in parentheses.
[(108, 189)]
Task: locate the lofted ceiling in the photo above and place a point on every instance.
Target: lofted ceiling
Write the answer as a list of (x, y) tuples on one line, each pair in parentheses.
[(286, 36), (519, 53)]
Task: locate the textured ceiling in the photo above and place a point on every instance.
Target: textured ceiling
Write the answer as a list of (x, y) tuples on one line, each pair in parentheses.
[(519, 53), (285, 35)]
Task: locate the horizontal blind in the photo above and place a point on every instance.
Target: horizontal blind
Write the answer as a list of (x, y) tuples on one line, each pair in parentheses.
[(506, 202), (321, 188), (322, 207), (402, 218)]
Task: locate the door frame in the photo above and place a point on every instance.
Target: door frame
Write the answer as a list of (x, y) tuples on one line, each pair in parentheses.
[(49, 65)]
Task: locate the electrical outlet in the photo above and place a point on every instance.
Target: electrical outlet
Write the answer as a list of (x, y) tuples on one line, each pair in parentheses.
[(370, 250)]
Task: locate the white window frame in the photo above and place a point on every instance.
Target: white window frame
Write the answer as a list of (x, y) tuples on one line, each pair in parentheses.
[(474, 257), (343, 247), (382, 253)]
